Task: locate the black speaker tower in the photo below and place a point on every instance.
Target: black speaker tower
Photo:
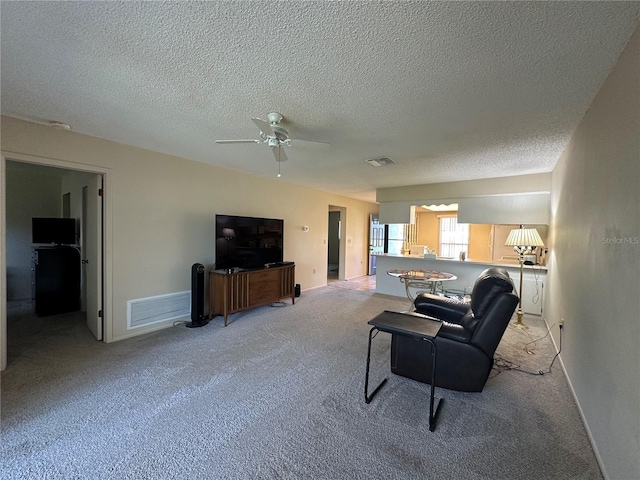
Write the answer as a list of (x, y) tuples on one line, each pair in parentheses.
[(198, 318)]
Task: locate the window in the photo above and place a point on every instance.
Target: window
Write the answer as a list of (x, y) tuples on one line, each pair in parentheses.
[(454, 237), (395, 238)]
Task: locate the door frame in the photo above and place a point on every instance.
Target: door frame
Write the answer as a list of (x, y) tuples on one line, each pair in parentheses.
[(107, 234)]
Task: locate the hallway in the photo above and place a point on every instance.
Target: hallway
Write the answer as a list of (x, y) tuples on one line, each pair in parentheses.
[(364, 283)]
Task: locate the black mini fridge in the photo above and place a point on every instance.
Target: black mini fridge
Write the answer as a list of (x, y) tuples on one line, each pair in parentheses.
[(57, 280)]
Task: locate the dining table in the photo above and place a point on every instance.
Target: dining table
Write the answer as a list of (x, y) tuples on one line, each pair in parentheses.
[(421, 280)]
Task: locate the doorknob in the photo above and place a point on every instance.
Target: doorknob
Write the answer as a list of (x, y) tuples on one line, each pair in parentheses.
[(85, 261)]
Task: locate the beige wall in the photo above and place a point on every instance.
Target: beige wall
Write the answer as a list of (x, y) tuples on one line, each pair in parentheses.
[(162, 211), (428, 228), (594, 266), (479, 242)]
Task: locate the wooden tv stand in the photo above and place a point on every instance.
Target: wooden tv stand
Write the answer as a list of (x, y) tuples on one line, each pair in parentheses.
[(241, 290)]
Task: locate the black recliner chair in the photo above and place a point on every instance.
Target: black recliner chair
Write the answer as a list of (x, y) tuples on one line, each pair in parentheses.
[(468, 338)]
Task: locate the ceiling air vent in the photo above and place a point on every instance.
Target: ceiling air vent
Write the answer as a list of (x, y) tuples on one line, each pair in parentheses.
[(380, 162)]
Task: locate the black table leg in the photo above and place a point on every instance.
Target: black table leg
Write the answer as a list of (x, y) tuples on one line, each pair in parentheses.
[(433, 415), (367, 397)]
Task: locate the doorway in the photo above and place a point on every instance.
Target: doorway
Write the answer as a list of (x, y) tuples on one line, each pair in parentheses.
[(336, 243), (377, 242), (16, 273), (333, 246)]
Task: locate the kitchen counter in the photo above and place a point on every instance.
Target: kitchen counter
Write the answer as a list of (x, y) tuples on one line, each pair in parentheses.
[(467, 272), (504, 264)]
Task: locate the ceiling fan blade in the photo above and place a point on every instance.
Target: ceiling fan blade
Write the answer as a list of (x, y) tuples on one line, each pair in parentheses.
[(278, 152), (263, 126), (238, 141), (308, 143)]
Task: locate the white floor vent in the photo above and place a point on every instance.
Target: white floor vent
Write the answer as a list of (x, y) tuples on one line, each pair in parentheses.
[(146, 311)]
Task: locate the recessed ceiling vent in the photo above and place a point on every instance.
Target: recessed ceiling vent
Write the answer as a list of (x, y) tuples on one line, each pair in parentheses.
[(380, 161)]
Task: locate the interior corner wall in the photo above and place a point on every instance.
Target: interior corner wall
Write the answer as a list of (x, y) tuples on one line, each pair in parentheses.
[(428, 230), (28, 194), (163, 209), (594, 265)]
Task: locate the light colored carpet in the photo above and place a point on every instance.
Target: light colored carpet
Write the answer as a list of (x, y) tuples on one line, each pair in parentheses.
[(278, 394)]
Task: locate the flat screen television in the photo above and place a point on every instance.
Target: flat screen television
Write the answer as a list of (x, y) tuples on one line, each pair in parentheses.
[(248, 242), (59, 231)]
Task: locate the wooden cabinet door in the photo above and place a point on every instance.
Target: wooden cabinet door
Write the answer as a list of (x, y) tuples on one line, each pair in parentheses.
[(264, 286)]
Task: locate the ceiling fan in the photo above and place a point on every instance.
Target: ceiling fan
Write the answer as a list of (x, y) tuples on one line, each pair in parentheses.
[(276, 136)]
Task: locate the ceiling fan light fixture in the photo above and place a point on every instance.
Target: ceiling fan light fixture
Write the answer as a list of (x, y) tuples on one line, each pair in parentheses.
[(380, 162)]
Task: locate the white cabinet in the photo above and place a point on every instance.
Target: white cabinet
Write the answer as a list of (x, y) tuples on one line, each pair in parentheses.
[(532, 290)]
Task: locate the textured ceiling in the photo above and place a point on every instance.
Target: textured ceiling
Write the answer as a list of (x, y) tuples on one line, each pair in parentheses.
[(449, 90)]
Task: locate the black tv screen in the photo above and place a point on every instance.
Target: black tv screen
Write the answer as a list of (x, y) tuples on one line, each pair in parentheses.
[(248, 242), (61, 231)]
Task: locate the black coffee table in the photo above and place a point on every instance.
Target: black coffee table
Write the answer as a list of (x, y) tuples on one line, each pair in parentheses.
[(413, 325)]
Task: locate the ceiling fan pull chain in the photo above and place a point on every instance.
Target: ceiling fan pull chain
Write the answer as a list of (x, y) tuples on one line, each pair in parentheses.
[(279, 162)]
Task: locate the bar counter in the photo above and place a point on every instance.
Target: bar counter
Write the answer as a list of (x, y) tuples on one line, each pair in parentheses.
[(466, 270)]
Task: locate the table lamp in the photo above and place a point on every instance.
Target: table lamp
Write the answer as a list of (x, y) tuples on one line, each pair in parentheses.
[(523, 240)]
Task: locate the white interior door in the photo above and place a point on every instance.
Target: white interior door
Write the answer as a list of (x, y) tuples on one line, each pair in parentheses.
[(93, 256), (376, 242)]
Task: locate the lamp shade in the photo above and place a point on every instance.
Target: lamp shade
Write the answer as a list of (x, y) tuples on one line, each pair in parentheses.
[(228, 233), (524, 237)]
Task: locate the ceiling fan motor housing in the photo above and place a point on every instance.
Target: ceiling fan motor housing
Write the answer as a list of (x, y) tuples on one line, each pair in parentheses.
[(274, 117)]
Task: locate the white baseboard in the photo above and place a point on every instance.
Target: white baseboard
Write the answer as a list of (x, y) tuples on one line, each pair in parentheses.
[(575, 398)]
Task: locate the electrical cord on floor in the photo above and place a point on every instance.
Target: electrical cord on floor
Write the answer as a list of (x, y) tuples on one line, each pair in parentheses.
[(536, 274), (526, 345), (500, 364)]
